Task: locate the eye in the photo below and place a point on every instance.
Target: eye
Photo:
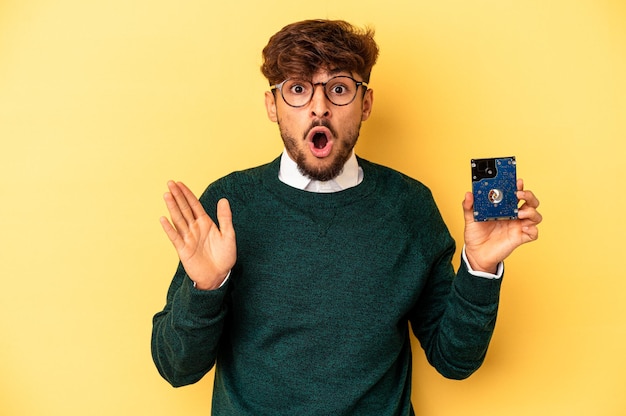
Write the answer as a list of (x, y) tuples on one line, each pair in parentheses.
[(339, 87), (297, 88)]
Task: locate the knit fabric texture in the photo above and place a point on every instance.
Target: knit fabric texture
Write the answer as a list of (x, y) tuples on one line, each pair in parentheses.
[(314, 318)]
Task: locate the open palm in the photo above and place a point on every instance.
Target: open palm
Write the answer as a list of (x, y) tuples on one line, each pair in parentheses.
[(207, 252)]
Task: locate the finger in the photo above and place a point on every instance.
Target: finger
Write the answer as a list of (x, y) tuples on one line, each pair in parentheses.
[(225, 218), (171, 232), (520, 184), (529, 214), (529, 198), (176, 189), (178, 220), (468, 207), (194, 204), (532, 232)]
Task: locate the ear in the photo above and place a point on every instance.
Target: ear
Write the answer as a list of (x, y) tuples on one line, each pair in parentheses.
[(368, 102), (270, 106)]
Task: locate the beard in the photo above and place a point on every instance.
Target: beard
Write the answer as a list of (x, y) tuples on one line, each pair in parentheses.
[(332, 165)]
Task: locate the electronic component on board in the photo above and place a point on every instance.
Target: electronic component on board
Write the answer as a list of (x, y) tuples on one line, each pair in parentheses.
[(494, 185)]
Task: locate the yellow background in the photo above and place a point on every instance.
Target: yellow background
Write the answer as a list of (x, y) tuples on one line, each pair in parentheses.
[(101, 102)]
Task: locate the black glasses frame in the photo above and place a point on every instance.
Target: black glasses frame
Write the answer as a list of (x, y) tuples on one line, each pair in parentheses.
[(323, 84)]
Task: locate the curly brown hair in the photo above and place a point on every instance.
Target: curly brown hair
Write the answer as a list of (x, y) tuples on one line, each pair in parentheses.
[(305, 47)]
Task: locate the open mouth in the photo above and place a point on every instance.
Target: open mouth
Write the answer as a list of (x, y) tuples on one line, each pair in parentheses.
[(320, 141)]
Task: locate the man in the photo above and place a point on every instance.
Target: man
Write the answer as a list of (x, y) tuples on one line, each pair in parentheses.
[(300, 282)]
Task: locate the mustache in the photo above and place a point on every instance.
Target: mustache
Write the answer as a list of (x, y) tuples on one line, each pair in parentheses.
[(321, 123)]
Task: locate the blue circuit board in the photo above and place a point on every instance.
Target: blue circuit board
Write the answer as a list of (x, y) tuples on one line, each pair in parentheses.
[(494, 185)]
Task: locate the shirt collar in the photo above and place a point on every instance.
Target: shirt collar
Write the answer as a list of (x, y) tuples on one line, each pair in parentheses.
[(350, 176)]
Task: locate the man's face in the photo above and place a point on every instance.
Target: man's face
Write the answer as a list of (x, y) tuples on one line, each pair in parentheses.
[(320, 136)]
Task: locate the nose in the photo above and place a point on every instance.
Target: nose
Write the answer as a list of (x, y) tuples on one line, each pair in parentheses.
[(320, 105)]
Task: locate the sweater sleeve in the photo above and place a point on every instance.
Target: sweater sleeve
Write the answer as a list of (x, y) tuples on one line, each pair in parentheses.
[(186, 333), (455, 314), (455, 318)]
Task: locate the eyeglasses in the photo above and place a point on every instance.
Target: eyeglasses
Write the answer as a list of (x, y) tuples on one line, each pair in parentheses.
[(340, 90)]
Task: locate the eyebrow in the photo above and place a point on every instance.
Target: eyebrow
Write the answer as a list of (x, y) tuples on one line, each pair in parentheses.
[(331, 73), (338, 71)]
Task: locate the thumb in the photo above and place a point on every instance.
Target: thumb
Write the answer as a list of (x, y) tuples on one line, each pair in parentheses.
[(225, 217), (468, 207)]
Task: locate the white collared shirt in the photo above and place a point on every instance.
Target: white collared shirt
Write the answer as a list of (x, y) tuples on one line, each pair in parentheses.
[(350, 176)]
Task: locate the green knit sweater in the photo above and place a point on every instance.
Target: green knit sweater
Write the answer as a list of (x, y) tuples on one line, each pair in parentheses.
[(314, 317)]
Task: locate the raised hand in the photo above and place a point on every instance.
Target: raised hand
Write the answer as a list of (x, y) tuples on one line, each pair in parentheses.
[(487, 243), (207, 252)]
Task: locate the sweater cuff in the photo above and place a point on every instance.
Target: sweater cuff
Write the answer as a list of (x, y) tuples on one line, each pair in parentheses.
[(202, 303), (475, 289)]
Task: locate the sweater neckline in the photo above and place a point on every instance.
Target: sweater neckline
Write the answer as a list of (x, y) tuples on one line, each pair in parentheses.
[(297, 196)]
